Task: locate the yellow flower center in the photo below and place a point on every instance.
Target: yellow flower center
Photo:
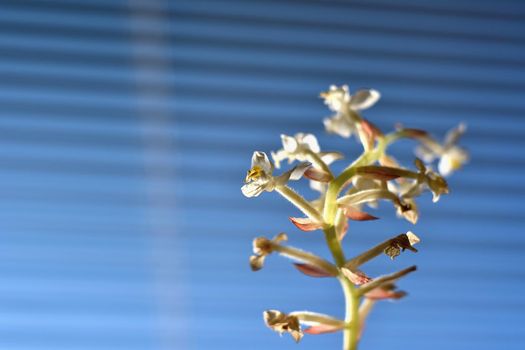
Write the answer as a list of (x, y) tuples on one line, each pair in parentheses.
[(254, 173), (456, 163)]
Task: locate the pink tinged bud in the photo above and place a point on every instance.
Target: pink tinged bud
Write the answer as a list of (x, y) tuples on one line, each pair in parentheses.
[(388, 161), (371, 131), (385, 292), (415, 133), (322, 329), (312, 271), (356, 277), (317, 175), (357, 215), (306, 224), (385, 283), (379, 172)]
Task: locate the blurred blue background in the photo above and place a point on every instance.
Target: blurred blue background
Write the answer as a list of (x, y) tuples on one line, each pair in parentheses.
[(126, 128)]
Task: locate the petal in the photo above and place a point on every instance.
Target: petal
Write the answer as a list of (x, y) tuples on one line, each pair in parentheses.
[(411, 214), (453, 159), (282, 237), (297, 172), (306, 224), (363, 196), (252, 189), (280, 322), (330, 157), (289, 143), (339, 125), (261, 160), (335, 97), (364, 99), (453, 135), (256, 262), (412, 238), (364, 183), (425, 153), (278, 157), (319, 187), (312, 271), (293, 174), (310, 141)]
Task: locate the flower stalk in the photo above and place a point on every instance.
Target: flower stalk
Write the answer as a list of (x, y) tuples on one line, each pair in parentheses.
[(301, 203)]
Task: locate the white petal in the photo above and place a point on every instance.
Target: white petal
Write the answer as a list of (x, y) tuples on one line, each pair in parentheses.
[(252, 189), (293, 174), (362, 183), (289, 143), (452, 160), (261, 160), (318, 186), (336, 97), (298, 171), (453, 135), (425, 153), (338, 125), (310, 141), (412, 238), (330, 157), (278, 157), (364, 99)]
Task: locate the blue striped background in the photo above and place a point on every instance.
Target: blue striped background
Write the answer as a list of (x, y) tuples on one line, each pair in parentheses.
[(126, 128)]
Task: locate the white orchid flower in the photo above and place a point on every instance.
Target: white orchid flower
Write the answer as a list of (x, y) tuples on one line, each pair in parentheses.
[(339, 100), (302, 147), (452, 160), (260, 176), (305, 147), (295, 148), (451, 156)]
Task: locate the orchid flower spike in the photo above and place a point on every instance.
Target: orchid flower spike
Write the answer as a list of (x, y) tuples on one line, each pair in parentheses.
[(260, 176)]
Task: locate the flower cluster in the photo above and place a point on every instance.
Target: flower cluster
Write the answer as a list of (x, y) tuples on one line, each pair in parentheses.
[(373, 177)]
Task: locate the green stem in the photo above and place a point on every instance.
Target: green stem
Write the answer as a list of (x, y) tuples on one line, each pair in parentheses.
[(301, 203), (334, 245), (350, 335)]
